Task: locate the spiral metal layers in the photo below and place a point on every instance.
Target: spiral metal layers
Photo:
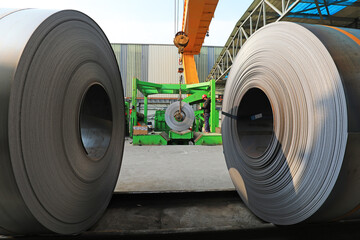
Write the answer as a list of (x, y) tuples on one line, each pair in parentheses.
[(291, 123), (61, 122), (187, 113)]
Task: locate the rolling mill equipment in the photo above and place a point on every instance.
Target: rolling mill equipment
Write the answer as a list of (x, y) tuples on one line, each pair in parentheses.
[(182, 121), (182, 124)]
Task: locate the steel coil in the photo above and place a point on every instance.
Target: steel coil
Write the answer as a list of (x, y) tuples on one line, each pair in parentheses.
[(291, 123), (187, 113), (61, 122)]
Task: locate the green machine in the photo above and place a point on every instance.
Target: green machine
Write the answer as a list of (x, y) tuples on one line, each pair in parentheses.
[(163, 135), (160, 123), (127, 118)]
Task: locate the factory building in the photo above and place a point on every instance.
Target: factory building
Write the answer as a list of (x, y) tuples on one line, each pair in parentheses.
[(284, 153), (158, 64)]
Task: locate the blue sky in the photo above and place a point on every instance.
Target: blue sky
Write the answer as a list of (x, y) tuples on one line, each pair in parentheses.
[(143, 21)]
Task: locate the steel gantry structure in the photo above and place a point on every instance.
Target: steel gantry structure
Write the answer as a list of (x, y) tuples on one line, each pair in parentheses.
[(196, 20), (341, 13)]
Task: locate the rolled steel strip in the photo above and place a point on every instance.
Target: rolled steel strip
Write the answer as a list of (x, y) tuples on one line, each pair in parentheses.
[(61, 122), (188, 116), (291, 123)]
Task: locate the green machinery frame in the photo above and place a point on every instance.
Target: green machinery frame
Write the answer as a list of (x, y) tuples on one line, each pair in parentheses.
[(195, 92)]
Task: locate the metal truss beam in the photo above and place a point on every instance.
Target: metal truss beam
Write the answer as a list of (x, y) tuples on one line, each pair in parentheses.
[(256, 19), (268, 11)]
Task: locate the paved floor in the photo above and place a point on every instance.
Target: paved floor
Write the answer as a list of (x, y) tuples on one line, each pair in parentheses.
[(173, 168)]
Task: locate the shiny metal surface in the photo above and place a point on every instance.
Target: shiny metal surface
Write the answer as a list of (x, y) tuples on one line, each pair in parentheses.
[(297, 158), (49, 182), (188, 116), (96, 121)]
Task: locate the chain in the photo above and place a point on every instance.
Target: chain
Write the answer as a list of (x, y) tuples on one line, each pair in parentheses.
[(180, 81)]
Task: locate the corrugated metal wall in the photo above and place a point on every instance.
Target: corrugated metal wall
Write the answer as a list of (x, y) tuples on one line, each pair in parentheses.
[(163, 64), (158, 64)]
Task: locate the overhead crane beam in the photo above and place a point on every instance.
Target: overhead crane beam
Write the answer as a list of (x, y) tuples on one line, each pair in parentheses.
[(196, 20), (263, 12)]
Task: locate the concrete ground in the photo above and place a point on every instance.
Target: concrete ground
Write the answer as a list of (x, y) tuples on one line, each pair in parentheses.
[(173, 168)]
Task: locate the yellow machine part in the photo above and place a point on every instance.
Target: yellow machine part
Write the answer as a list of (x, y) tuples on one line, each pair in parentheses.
[(190, 72), (196, 21), (181, 40)]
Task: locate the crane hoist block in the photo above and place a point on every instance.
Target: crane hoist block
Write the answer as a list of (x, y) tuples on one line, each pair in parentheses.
[(181, 40)]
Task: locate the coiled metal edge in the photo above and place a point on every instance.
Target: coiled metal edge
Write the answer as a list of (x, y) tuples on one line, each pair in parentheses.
[(61, 122), (187, 112), (291, 123)]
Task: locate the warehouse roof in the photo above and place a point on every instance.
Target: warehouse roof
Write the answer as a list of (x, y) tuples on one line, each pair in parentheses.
[(340, 13)]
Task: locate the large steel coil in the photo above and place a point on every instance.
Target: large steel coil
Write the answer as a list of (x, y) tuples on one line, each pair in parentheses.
[(187, 116), (61, 122), (291, 123)]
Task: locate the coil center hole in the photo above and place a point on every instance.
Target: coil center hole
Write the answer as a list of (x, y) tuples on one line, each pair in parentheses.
[(95, 121), (255, 123), (179, 117)]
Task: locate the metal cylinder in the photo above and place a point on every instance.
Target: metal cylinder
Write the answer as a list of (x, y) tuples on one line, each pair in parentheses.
[(187, 116), (291, 123), (61, 122)]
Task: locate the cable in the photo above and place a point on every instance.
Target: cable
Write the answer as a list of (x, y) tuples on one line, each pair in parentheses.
[(175, 17)]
